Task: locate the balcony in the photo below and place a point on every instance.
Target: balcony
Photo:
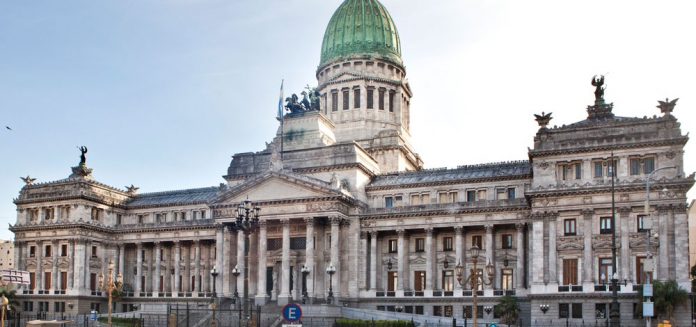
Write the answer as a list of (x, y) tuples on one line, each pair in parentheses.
[(467, 293), (391, 294), (408, 293), (449, 293), (450, 206), (380, 294), (420, 293), (437, 293), (96, 293)]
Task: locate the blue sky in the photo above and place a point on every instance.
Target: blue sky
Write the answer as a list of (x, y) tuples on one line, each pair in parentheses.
[(164, 92)]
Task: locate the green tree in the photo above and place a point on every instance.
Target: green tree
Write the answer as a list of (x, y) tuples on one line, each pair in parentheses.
[(508, 310), (667, 295), (11, 298)]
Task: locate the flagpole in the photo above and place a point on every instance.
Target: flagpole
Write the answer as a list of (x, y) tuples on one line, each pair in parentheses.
[(280, 113)]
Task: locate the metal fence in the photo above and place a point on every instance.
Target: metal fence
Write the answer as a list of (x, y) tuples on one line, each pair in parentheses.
[(189, 316)]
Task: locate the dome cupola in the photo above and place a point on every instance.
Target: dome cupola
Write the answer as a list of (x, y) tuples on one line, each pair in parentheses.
[(361, 29)]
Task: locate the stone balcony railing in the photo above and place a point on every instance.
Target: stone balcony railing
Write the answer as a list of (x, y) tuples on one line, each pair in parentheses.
[(474, 205), (173, 224)]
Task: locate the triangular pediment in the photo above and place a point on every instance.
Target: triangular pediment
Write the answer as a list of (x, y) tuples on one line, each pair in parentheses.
[(278, 186)]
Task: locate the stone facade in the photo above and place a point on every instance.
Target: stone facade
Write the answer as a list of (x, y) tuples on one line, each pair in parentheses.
[(7, 255), (349, 191)]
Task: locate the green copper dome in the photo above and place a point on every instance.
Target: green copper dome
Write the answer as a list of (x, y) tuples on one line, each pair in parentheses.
[(359, 28)]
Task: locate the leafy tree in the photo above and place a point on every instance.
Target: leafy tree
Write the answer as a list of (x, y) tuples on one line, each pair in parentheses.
[(11, 298), (508, 310), (667, 295)]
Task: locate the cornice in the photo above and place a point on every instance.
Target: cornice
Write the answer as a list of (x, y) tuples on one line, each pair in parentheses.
[(441, 209), (450, 182), (683, 184), (596, 148)]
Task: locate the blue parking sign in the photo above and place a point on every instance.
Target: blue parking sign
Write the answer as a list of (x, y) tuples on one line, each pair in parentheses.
[(292, 312)]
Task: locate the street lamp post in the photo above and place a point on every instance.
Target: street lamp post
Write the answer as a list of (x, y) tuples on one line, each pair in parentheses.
[(647, 226), (330, 270), (214, 273), (110, 286), (247, 222), (474, 276), (235, 273), (305, 272)]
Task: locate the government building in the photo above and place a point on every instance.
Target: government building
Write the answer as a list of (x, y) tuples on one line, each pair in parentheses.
[(341, 185)]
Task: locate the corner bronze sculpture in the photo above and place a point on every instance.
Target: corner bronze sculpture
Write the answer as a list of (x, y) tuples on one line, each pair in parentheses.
[(314, 98), (598, 82), (83, 159), (293, 105), (28, 179), (543, 119), (666, 107)]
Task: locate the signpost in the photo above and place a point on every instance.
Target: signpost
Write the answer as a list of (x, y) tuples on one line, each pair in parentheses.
[(292, 313)]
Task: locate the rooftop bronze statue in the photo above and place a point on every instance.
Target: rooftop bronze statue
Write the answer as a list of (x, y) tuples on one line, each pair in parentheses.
[(598, 82), (83, 159)]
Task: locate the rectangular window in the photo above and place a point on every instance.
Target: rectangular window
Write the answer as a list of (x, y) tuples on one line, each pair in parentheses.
[(391, 101), (63, 280), (334, 101), (415, 199), (511, 193), (92, 282), (32, 251), (392, 280), (578, 171), (437, 311), (598, 169), (447, 243), (420, 245), (47, 252), (635, 166), (506, 279), (605, 270), (452, 197), (468, 312), (564, 172), (59, 307), (570, 271), (442, 197), (356, 98), (641, 275), (605, 225), (470, 196), (141, 219), (47, 280), (346, 100), (569, 227), (500, 194), (425, 198), (482, 195), (119, 219), (419, 281), (370, 99), (419, 309), (28, 306), (380, 101), (398, 201), (610, 168), (507, 241), (388, 202), (202, 214), (393, 246), (639, 223), (194, 215), (448, 280), (648, 165), (448, 310), (577, 311), (32, 280), (94, 251), (563, 310), (600, 310), (477, 241)]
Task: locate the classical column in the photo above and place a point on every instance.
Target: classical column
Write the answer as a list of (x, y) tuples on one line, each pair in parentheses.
[(54, 273), (458, 252), (158, 267), (139, 287), (681, 243), (71, 264), (489, 253), (663, 268), (39, 267), (309, 254), (285, 297), (211, 263), (177, 265), (219, 245), (373, 260), (401, 254), (197, 269), (186, 279), (429, 280), (625, 249), (240, 263), (335, 258), (552, 220), (263, 244), (121, 258), (537, 249), (520, 255), (230, 240), (587, 259), (168, 266)]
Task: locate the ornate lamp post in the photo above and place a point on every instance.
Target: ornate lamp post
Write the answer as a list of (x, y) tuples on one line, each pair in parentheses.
[(330, 270), (247, 222), (474, 276), (305, 272), (214, 273), (110, 285), (235, 273)]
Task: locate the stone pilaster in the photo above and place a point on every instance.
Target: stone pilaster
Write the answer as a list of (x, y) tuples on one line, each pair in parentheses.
[(401, 254), (121, 258), (219, 246), (490, 255), (139, 287), (458, 252), (624, 214), (177, 265), (335, 254), (158, 267), (54, 272), (39, 267), (197, 262), (537, 249), (663, 264), (285, 297), (71, 264), (681, 244), (239, 282), (587, 255), (552, 218), (363, 263), (261, 297)]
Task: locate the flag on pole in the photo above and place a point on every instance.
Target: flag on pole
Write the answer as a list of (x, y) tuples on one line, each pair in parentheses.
[(280, 101)]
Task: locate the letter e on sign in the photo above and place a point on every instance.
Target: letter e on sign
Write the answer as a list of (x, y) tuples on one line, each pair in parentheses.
[(292, 312)]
